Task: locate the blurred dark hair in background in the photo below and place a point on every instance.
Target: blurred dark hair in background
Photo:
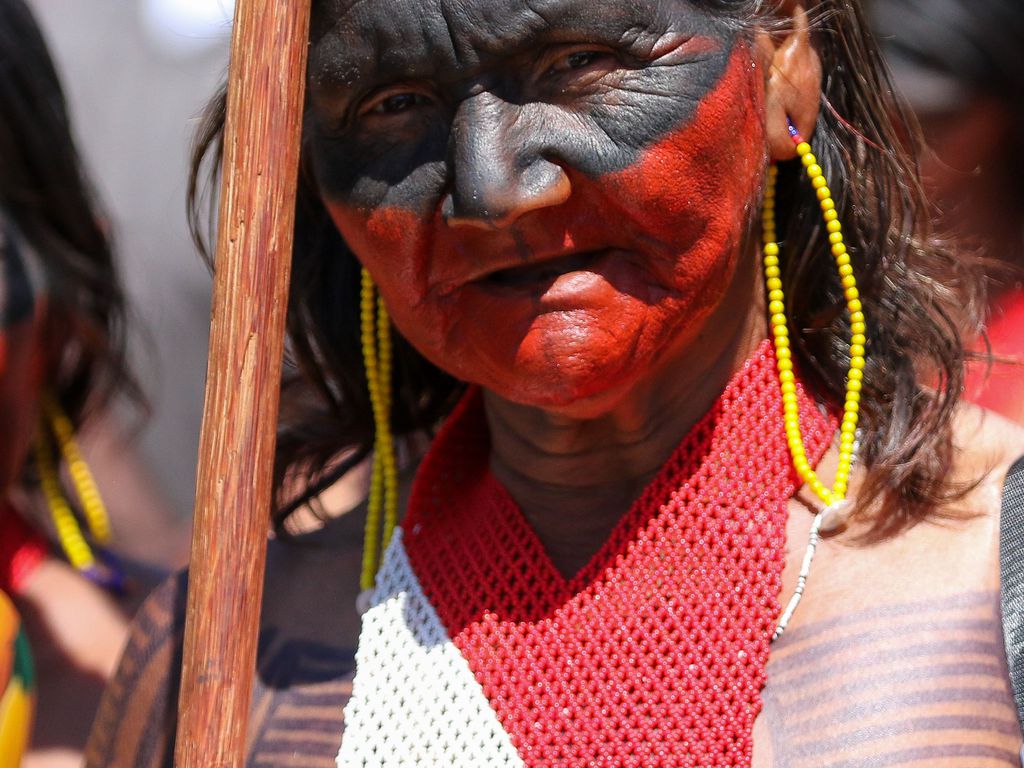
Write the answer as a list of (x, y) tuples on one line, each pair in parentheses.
[(44, 192), (960, 64)]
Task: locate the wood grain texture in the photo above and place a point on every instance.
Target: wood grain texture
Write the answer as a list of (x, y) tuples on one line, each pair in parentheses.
[(233, 493)]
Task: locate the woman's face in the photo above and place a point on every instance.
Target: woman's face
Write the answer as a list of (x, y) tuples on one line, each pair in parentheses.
[(551, 195)]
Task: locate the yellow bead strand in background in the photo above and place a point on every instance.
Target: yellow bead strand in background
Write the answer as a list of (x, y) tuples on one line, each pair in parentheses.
[(75, 547), (93, 508), (69, 533)]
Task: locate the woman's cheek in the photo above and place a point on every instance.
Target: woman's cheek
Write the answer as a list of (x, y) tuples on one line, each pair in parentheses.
[(695, 187), (392, 244)]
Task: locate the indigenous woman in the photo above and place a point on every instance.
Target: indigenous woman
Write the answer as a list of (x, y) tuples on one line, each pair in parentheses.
[(663, 271), (60, 357)]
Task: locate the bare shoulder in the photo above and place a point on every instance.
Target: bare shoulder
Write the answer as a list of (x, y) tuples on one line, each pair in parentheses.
[(896, 654), (986, 446)]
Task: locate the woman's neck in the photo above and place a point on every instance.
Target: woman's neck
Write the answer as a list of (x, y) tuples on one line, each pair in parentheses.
[(574, 478)]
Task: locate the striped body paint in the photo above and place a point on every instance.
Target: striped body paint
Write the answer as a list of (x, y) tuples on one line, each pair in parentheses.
[(913, 683)]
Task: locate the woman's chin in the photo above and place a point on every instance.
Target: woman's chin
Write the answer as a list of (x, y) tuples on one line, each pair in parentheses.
[(579, 362), (578, 387)]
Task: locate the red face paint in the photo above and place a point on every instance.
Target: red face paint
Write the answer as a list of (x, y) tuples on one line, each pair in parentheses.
[(594, 293)]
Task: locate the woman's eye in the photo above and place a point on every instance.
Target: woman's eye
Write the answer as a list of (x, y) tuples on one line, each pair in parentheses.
[(399, 102), (580, 59)]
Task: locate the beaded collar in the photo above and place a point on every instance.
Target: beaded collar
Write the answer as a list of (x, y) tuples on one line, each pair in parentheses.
[(654, 654)]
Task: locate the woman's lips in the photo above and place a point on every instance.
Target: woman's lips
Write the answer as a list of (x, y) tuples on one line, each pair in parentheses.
[(541, 274), (586, 279)]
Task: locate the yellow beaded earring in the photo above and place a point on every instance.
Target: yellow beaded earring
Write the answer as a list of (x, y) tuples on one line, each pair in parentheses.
[(832, 499), (72, 540), (383, 500)]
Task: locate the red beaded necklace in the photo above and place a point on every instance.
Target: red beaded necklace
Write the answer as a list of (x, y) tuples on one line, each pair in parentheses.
[(655, 653)]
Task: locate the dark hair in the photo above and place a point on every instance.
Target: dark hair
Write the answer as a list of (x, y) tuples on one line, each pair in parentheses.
[(47, 198), (921, 298), (978, 44)]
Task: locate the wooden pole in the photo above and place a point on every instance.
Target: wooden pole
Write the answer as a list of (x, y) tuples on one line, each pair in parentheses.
[(233, 490)]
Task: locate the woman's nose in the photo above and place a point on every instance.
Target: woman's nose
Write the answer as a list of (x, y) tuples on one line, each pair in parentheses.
[(500, 172)]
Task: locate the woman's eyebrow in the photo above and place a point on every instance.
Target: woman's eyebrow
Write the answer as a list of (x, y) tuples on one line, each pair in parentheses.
[(560, 20), (344, 65)]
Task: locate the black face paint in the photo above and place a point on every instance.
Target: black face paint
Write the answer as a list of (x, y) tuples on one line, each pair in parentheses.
[(415, 101)]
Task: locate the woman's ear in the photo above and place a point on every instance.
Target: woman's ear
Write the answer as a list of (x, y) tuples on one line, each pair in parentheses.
[(793, 82)]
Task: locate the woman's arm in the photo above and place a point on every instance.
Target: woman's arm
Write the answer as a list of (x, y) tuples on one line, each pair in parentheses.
[(77, 633)]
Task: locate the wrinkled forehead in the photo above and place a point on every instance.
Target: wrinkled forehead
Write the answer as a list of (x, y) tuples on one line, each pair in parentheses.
[(451, 37)]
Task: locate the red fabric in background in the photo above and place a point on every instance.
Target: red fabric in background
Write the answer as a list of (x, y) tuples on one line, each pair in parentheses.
[(21, 550), (1001, 389)]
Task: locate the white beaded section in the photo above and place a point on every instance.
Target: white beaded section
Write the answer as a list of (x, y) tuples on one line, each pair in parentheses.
[(415, 701), (829, 519)]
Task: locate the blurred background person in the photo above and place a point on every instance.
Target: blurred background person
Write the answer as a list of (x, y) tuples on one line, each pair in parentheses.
[(61, 359), (136, 73), (960, 63), (65, 392)]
